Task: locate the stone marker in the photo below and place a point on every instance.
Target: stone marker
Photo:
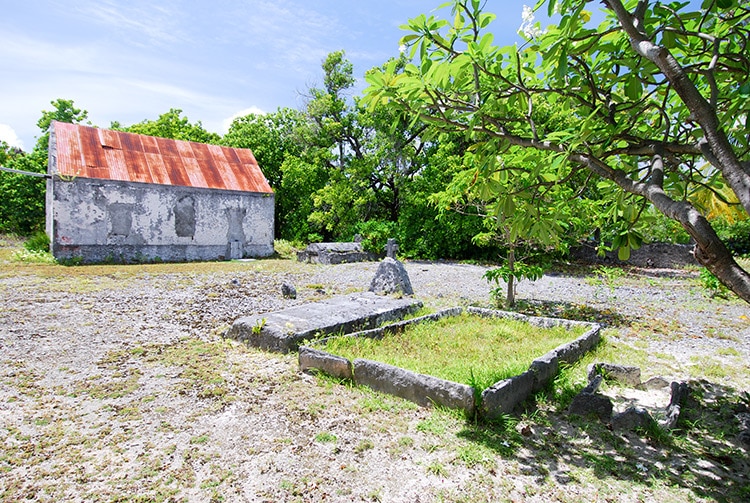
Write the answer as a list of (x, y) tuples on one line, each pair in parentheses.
[(288, 291), (624, 374), (391, 248), (391, 277)]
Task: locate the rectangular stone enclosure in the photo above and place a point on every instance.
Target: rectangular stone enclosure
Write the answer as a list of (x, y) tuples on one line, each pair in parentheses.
[(500, 398)]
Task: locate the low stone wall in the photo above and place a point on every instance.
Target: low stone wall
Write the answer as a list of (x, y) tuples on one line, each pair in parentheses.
[(499, 399), (421, 389), (502, 397)]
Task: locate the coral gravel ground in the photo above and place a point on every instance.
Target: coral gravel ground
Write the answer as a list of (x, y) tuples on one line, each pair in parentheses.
[(116, 385)]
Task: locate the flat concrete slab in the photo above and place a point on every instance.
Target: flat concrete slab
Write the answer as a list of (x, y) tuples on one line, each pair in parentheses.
[(283, 331)]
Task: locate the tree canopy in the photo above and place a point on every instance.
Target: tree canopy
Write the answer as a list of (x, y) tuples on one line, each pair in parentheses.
[(22, 203), (171, 125), (633, 108)]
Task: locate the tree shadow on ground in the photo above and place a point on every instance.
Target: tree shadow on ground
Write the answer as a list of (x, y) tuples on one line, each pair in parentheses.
[(572, 311), (702, 455)]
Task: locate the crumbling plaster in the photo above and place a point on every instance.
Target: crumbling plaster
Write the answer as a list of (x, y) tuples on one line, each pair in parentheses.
[(99, 220)]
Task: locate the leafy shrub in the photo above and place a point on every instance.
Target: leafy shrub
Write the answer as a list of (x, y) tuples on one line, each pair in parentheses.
[(736, 235), (375, 234), (658, 228), (22, 196), (285, 249), (39, 242), (713, 285)]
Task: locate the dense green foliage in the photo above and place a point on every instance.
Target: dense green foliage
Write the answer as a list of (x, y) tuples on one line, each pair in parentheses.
[(22, 196), (22, 203)]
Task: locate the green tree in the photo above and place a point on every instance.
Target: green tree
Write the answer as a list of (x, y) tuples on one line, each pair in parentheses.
[(300, 181), (331, 123), (63, 111), (428, 227), (171, 125), (22, 202), (273, 138), (648, 93), (22, 196)]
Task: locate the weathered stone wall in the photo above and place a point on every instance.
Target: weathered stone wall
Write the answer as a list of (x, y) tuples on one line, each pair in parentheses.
[(102, 220)]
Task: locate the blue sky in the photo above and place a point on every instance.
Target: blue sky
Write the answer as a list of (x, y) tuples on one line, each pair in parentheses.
[(130, 60)]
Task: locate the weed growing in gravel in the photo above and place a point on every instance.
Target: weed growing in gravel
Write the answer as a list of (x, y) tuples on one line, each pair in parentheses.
[(364, 445), (607, 276), (374, 402), (33, 257), (437, 468), (325, 437)]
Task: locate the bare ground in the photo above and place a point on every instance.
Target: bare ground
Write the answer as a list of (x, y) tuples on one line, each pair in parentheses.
[(116, 385)]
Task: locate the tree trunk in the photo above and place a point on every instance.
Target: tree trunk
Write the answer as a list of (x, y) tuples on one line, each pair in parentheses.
[(710, 250), (510, 299), (723, 156)]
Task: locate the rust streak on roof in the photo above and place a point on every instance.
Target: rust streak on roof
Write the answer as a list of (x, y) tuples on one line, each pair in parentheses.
[(90, 152)]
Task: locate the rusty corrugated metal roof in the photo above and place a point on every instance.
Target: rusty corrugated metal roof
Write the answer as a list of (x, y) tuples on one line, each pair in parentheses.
[(115, 155)]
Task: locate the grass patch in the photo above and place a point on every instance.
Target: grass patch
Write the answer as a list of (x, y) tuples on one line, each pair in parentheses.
[(467, 349), (325, 437)]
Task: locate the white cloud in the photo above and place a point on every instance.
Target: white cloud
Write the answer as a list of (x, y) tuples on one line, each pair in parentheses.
[(9, 136), (247, 111), (145, 22)]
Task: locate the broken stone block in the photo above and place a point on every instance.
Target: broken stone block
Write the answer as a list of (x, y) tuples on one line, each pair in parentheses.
[(288, 291), (333, 253), (632, 418), (336, 366), (592, 404), (656, 382), (626, 375), (594, 382), (421, 389), (391, 277), (680, 392)]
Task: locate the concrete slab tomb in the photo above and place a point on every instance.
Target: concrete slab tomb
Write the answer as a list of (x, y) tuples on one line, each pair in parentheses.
[(490, 403), (284, 330), (334, 253)]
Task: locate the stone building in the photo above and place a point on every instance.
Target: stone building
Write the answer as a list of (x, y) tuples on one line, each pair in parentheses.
[(123, 197)]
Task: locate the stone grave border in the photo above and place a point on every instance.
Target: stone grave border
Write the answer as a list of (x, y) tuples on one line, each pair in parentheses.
[(499, 399)]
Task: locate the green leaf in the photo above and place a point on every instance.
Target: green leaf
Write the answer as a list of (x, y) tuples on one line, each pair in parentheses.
[(633, 88), (623, 253)]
